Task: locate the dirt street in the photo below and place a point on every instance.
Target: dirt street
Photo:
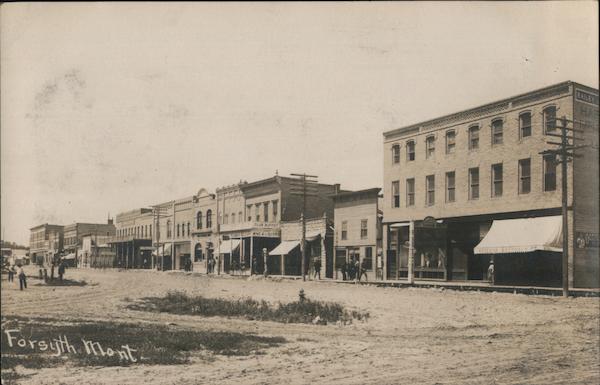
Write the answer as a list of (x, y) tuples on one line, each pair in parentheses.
[(413, 336)]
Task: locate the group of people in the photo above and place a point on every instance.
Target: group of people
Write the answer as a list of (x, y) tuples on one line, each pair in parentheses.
[(18, 271), (354, 269)]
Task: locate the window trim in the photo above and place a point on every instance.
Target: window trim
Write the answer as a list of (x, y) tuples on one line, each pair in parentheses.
[(395, 194), (448, 187), (428, 202), (410, 193), (447, 143), (430, 139), (501, 120), (544, 157), (344, 231), (396, 153), (521, 178), (521, 137), (364, 228), (470, 129), (493, 180), (544, 124), (413, 152), (471, 184)]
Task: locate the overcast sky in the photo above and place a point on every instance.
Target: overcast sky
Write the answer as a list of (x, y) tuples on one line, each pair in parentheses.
[(110, 107)]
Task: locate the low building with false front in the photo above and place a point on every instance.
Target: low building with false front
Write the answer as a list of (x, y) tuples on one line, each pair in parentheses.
[(250, 217), (451, 181), (358, 231), (96, 252), (73, 235), (286, 258), (132, 243), (45, 243)]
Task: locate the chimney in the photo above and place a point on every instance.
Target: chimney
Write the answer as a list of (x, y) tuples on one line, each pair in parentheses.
[(110, 221), (336, 188)]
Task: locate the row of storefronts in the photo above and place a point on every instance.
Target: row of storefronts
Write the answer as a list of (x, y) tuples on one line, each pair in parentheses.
[(464, 194)]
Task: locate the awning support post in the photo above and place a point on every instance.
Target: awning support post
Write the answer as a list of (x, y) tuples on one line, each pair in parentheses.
[(411, 252)]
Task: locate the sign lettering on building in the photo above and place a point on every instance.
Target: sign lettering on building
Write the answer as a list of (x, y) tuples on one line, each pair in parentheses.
[(586, 240), (586, 97)]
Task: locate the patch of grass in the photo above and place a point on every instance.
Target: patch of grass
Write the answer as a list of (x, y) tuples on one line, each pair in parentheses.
[(305, 311), (153, 344), (65, 282)]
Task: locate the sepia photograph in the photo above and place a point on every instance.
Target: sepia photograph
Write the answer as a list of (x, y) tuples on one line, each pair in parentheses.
[(295, 193)]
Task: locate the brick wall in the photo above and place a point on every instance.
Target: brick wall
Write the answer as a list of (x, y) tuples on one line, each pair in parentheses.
[(508, 153)]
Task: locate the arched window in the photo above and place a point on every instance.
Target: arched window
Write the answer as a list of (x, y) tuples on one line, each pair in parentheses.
[(233, 218), (525, 124), (497, 131), (550, 118), (199, 220), (396, 153), (209, 219)]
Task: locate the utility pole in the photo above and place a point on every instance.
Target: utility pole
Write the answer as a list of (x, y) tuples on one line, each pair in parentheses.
[(305, 186), (158, 212), (565, 153)]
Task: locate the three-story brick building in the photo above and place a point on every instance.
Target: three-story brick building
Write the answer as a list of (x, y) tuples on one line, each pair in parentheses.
[(448, 179)]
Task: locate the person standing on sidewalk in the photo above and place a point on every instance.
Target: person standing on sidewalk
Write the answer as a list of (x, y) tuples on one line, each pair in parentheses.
[(22, 277), (317, 266), (363, 270), (61, 270), (491, 273)]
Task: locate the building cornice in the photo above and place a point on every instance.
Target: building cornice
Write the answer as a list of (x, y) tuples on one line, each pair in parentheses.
[(498, 106)]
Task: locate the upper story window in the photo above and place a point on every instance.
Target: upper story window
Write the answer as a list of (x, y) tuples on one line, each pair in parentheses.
[(450, 186), (525, 124), (257, 212), (188, 229), (344, 230), (450, 141), (410, 192), (169, 229), (410, 150), (497, 131), (178, 229), (549, 172), (208, 219), (226, 219), (233, 218), (474, 183), (363, 229), (430, 188), (396, 153), (429, 146), (550, 119), (275, 205), (249, 212), (199, 220), (524, 176), (497, 180), (473, 137), (396, 193), (266, 211), (241, 217)]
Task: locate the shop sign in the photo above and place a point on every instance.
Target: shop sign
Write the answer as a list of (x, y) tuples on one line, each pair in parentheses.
[(586, 97)]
